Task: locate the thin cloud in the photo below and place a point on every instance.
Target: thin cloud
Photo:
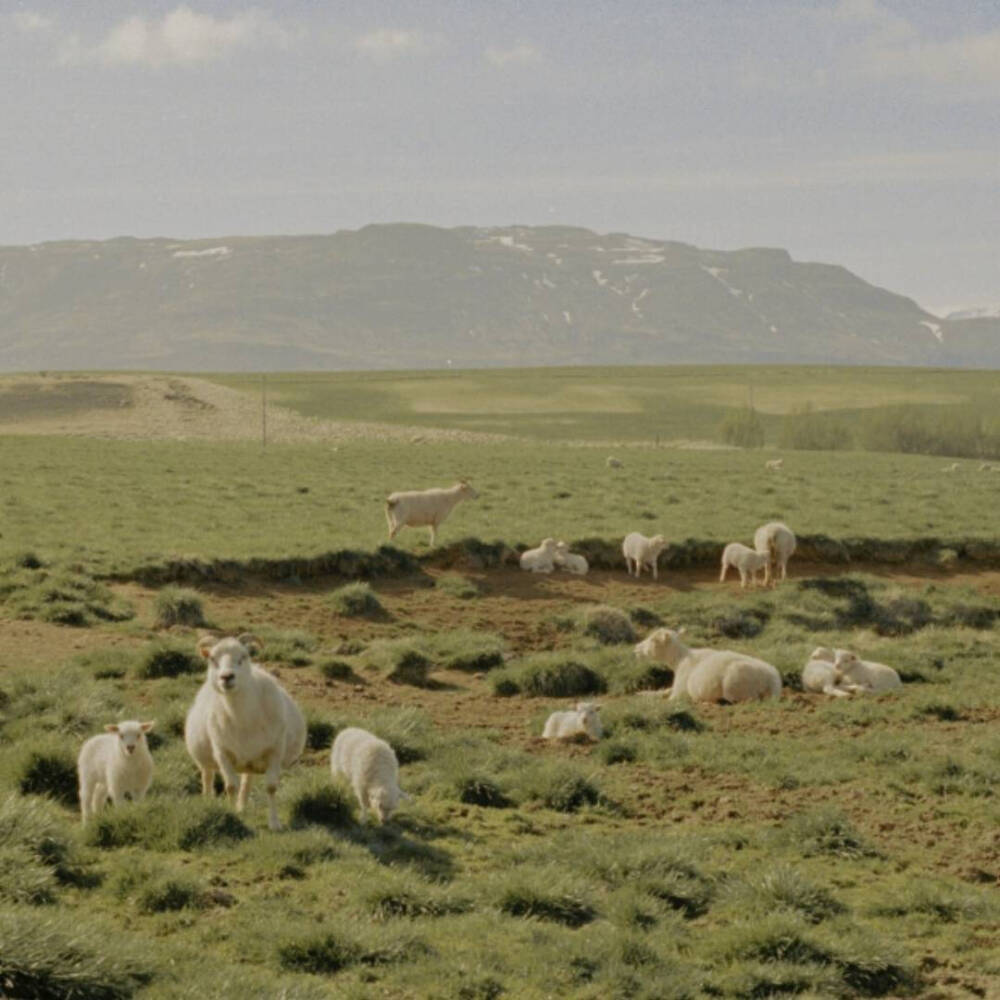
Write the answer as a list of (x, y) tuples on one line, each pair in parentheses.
[(30, 21), (519, 55), (385, 44)]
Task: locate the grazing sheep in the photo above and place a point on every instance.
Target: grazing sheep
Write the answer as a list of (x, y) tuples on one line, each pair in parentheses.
[(866, 674), (748, 561), (951, 468), (713, 675), (114, 764), (777, 542), (242, 722), (774, 463), (614, 463), (985, 467), (570, 561), (542, 559), (416, 508), (640, 551), (580, 722), (371, 767)]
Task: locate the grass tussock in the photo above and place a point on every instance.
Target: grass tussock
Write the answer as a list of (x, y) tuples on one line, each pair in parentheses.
[(178, 606), (51, 773), (322, 803), (459, 587), (401, 661), (60, 597), (167, 659), (553, 675), (356, 600), (609, 626)]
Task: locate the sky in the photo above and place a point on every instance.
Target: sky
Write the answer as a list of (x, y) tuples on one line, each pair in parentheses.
[(857, 132)]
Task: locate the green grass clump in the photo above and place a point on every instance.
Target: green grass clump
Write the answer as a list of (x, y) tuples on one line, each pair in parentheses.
[(459, 587), (50, 773), (24, 879), (178, 606), (782, 887), (319, 733), (356, 600), (825, 831), (330, 953), (553, 675), (526, 899), (60, 597), (167, 659), (559, 786), (465, 650), (212, 825), (106, 664), (337, 670), (399, 660), (610, 626), (292, 646), (321, 804), (481, 790), (170, 894)]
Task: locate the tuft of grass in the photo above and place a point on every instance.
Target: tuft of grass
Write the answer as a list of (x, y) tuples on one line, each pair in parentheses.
[(479, 790), (106, 664), (61, 597), (321, 956), (356, 600), (610, 626), (337, 670), (465, 650), (825, 831), (784, 887), (399, 660), (178, 606), (322, 804), (459, 587), (524, 898), (319, 733), (292, 646), (553, 675), (216, 825), (167, 659), (50, 773), (170, 894), (617, 752), (559, 786)]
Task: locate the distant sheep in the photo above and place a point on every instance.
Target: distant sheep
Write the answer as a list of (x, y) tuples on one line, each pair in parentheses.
[(419, 508), (713, 675), (951, 468), (640, 551), (570, 561), (114, 764), (748, 561), (580, 722), (777, 542), (614, 463), (774, 463), (242, 722), (541, 559), (866, 674), (370, 765)]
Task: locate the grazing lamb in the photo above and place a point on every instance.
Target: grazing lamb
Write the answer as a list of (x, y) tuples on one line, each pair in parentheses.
[(866, 674), (416, 508), (114, 764), (640, 551), (542, 559), (777, 542), (570, 561), (774, 463), (242, 722), (714, 675), (748, 561), (614, 463), (580, 722), (371, 767)]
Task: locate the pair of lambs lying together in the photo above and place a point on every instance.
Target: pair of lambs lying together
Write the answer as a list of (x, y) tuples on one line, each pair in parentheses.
[(242, 723), (551, 555)]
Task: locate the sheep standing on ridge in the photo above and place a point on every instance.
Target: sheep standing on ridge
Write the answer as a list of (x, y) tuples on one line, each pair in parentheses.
[(570, 561), (418, 508), (713, 675), (580, 722), (748, 561), (640, 551), (777, 542), (370, 765), (114, 764), (242, 722), (541, 559)]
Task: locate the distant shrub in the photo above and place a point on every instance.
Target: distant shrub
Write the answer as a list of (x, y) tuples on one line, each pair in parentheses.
[(807, 429), (554, 675), (398, 660), (960, 430), (50, 773), (969, 615), (178, 606), (607, 625), (166, 659), (644, 617), (356, 600), (742, 428)]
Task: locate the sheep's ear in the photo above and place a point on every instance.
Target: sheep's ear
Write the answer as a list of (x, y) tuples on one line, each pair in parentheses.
[(250, 641), (111, 727), (146, 726), (205, 644)]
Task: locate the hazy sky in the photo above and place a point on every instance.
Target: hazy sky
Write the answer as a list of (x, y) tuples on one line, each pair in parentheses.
[(859, 132)]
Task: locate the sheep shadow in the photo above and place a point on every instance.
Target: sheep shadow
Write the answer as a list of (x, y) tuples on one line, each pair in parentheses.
[(389, 844)]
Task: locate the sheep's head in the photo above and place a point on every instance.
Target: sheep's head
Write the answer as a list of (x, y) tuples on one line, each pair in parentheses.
[(229, 660), (562, 548), (467, 491), (665, 646), (549, 545), (822, 653), (383, 802), (845, 663), (130, 734), (657, 543), (589, 717)]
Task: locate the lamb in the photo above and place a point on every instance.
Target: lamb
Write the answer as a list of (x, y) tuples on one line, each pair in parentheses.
[(777, 542), (371, 767), (640, 551), (774, 463), (748, 561), (416, 508), (542, 559), (570, 561), (866, 674), (820, 675), (713, 675), (242, 722), (614, 463), (114, 764), (581, 722)]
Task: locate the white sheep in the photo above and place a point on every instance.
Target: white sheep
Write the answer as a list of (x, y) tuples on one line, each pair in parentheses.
[(242, 722), (580, 722), (614, 463), (370, 765), (417, 508), (541, 559), (640, 551), (572, 562), (774, 463), (114, 764), (748, 561), (713, 675), (820, 675), (777, 542), (866, 674), (951, 468)]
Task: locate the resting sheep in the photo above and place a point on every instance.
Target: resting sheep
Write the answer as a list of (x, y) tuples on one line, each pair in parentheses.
[(777, 542), (774, 463), (570, 561), (114, 764), (370, 765), (748, 561), (866, 674), (713, 675), (820, 675), (640, 551), (541, 559), (581, 722), (242, 722), (417, 508)]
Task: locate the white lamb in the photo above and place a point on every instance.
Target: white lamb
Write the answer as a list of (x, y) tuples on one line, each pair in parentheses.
[(371, 767), (570, 561), (640, 551), (242, 722), (776, 541), (114, 764), (541, 559), (866, 674), (748, 561), (713, 675), (774, 463), (417, 508), (820, 675), (580, 722)]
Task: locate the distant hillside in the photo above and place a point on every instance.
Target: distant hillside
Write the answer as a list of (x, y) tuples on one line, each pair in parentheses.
[(412, 296)]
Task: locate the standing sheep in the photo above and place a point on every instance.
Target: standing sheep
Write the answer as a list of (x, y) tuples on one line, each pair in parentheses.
[(370, 765), (640, 551), (776, 541), (580, 722), (570, 561), (114, 764), (417, 508), (774, 463), (541, 559), (242, 722), (748, 561)]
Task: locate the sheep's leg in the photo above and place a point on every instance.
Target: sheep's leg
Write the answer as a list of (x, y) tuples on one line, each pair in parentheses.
[(784, 568), (655, 568), (271, 777), (244, 793), (85, 797), (98, 796), (362, 794), (230, 777), (837, 692), (433, 528), (725, 570), (743, 579), (207, 780)]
